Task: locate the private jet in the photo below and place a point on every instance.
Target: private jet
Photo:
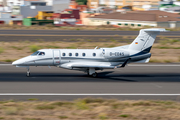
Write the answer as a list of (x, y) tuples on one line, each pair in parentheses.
[(92, 60)]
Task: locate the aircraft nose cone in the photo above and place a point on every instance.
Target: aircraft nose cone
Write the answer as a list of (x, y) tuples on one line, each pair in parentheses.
[(21, 61), (14, 63), (17, 62)]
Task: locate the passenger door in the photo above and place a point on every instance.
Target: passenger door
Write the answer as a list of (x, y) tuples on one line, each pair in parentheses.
[(57, 57)]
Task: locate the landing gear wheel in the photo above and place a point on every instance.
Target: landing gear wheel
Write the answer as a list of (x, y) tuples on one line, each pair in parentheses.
[(94, 75), (28, 74)]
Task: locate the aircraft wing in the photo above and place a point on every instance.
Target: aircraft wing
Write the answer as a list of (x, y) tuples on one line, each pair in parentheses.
[(93, 66)]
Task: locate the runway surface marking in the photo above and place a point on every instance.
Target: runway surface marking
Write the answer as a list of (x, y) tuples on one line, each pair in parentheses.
[(79, 94), (5, 64), (158, 65), (67, 35), (156, 85)]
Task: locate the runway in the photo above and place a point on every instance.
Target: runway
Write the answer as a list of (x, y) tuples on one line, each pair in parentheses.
[(78, 32), (134, 82), (76, 36)]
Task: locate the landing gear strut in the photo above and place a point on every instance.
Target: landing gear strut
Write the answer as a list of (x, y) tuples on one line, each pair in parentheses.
[(28, 72), (92, 72)]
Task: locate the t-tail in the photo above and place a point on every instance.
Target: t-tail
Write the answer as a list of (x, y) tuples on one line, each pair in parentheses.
[(145, 39), (141, 46)]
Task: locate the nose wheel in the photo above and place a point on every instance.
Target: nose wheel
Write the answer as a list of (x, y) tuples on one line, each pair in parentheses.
[(28, 72)]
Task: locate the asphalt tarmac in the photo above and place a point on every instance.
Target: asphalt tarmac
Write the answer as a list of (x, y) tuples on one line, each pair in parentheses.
[(79, 32), (135, 82), (76, 36)]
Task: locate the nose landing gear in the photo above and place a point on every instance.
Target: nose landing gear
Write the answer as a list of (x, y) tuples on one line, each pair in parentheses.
[(28, 72)]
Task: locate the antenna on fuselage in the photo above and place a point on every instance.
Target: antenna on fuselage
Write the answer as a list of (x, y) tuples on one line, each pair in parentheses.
[(96, 47)]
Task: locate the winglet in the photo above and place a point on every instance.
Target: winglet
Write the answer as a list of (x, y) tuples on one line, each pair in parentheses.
[(96, 47)]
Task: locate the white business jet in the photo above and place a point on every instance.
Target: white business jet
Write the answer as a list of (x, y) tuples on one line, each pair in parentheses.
[(91, 60)]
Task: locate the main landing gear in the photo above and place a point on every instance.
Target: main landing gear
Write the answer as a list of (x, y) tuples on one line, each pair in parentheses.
[(28, 72), (92, 72), (94, 75)]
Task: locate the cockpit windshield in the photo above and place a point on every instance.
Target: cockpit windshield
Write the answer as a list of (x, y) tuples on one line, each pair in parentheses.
[(36, 53), (39, 53)]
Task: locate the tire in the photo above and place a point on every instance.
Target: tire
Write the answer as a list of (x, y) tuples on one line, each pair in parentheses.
[(94, 75), (28, 74)]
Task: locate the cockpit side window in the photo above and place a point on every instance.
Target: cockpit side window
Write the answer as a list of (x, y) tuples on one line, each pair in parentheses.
[(36, 53), (41, 53)]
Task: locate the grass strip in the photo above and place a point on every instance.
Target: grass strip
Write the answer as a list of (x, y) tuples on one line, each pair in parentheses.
[(90, 109)]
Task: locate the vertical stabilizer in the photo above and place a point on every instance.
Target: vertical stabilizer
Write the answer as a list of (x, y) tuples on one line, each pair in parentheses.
[(145, 39)]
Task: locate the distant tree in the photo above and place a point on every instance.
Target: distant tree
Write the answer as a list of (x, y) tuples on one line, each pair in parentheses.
[(82, 2)]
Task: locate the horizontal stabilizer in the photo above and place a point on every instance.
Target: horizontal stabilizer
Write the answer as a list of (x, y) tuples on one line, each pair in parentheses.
[(155, 30)]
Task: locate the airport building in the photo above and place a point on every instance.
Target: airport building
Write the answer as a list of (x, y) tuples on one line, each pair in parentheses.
[(60, 5), (154, 18), (1, 3), (11, 3), (97, 3), (23, 2), (49, 2), (135, 3)]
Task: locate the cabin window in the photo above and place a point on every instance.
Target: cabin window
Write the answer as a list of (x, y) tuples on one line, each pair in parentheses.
[(103, 51), (36, 53), (83, 54), (77, 54), (64, 54), (70, 54), (41, 53), (94, 54)]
